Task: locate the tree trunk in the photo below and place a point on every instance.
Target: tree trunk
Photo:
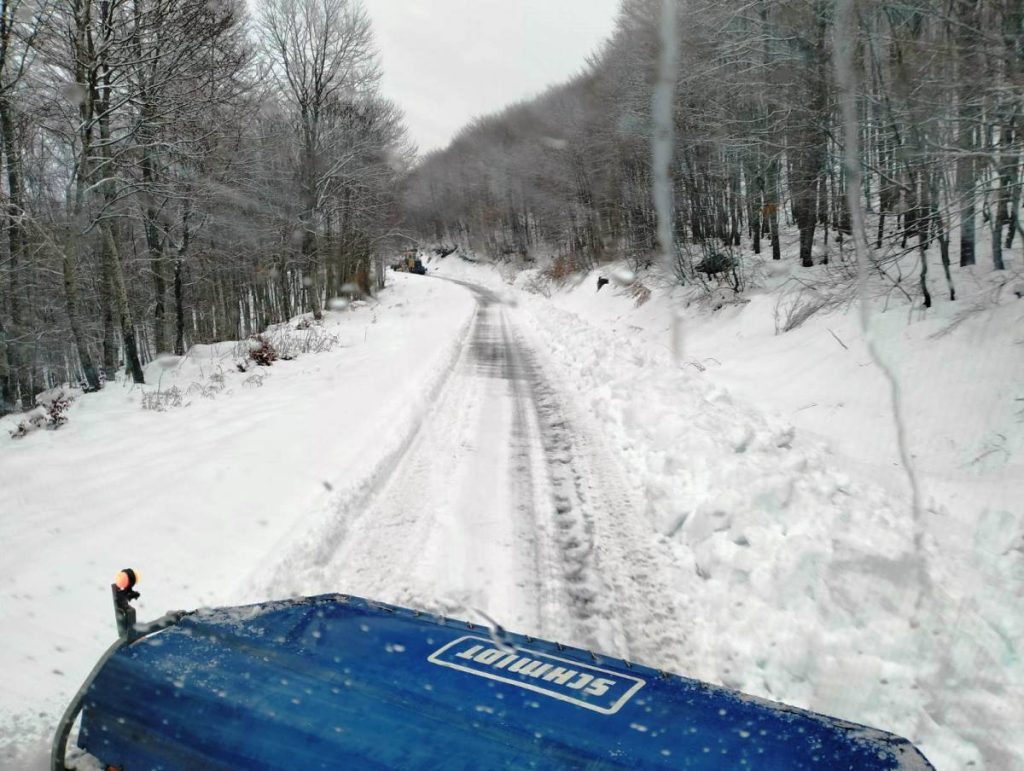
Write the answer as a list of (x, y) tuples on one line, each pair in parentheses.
[(159, 308), (8, 387), (940, 229), (154, 243), (179, 307), (92, 377), (771, 203), (1014, 222), (965, 187), (16, 349), (1007, 169), (285, 301), (124, 313), (734, 206), (811, 139), (111, 347), (967, 125)]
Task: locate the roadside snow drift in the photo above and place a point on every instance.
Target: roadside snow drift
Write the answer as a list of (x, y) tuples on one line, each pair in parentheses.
[(792, 530)]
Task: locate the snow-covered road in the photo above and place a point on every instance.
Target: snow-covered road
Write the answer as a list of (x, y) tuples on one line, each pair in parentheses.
[(502, 502), (475, 450)]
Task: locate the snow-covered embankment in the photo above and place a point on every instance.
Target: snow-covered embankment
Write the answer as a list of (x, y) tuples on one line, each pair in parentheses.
[(795, 524)]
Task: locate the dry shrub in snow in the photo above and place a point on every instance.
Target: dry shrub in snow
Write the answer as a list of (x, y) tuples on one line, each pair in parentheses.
[(561, 268), (50, 412), (210, 389), (57, 410), (534, 282), (263, 352), (794, 313), (639, 293), (282, 343), (797, 305), (160, 400), (290, 342), (206, 390), (33, 420)]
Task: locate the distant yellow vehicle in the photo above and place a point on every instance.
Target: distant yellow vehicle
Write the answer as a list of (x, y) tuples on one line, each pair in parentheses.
[(410, 263)]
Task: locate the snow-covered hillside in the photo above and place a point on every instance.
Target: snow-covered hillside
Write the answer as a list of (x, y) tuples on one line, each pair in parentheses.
[(734, 515)]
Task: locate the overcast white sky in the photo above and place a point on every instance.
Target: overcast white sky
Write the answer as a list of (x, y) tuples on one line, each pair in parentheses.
[(448, 61)]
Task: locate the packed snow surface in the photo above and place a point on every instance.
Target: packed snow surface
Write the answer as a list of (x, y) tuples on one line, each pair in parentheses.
[(546, 462)]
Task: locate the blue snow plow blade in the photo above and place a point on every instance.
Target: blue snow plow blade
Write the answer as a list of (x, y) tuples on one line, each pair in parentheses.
[(336, 682)]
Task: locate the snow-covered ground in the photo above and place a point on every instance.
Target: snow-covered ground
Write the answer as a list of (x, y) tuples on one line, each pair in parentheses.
[(197, 497), (770, 460), (736, 517), (504, 501)]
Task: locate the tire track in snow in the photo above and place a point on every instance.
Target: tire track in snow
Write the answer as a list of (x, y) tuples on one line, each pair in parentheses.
[(619, 570), (443, 529), (580, 601), (526, 471), (280, 573), (566, 510), (496, 499), (569, 591)]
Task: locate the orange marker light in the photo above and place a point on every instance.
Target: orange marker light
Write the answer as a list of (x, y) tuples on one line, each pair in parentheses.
[(126, 579)]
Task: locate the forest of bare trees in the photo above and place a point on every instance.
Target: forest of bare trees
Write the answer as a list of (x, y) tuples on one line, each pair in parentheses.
[(176, 172), (758, 143)]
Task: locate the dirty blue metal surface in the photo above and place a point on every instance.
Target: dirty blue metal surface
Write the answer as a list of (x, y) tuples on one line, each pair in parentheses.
[(338, 682)]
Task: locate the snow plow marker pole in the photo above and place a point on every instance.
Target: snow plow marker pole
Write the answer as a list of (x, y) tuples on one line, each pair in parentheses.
[(124, 615)]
